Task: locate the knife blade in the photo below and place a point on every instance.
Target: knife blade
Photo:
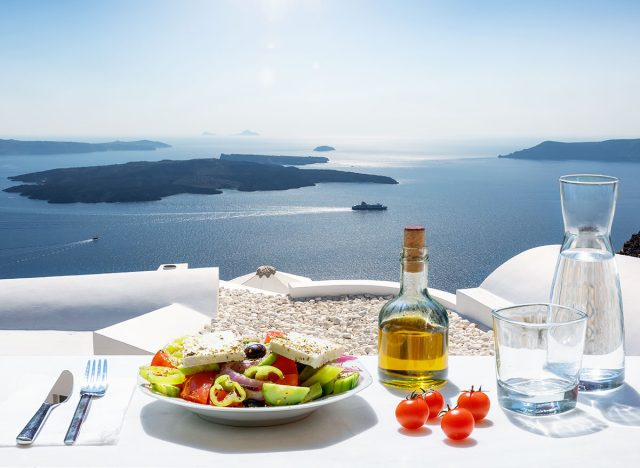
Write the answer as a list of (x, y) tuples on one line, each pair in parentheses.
[(59, 393)]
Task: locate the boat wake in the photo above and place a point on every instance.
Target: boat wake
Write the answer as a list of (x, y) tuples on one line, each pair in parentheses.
[(223, 215), (28, 253)]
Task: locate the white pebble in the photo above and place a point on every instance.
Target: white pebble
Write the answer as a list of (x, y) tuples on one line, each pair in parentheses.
[(349, 320)]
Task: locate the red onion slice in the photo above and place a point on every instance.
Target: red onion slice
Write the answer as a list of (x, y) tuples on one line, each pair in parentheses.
[(345, 358), (241, 366), (242, 379)]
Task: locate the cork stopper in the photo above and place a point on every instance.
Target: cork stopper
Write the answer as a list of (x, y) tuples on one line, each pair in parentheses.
[(414, 237), (414, 249)]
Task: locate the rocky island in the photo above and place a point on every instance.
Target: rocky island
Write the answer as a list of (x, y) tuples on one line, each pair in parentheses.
[(280, 160), (24, 148), (324, 148), (632, 246), (610, 150), (149, 181)]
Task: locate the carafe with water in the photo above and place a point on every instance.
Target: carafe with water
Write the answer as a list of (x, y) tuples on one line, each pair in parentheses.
[(586, 276)]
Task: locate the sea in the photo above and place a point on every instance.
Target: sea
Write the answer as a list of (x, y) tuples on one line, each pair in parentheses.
[(479, 210)]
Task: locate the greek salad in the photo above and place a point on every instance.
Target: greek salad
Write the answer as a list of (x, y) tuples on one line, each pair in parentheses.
[(224, 370)]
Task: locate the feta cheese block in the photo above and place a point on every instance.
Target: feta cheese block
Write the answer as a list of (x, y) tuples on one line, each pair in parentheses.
[(220, 346), (304, 349)]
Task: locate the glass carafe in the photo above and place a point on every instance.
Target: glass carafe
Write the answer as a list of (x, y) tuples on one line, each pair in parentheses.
[(586, 276)]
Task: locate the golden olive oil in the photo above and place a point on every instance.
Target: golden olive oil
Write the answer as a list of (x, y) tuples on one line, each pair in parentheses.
[(412, 353), (413, 328)]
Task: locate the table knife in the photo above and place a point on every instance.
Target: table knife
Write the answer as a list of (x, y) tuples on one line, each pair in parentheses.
[(59, 393)]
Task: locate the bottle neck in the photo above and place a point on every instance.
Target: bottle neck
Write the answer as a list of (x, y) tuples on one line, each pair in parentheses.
[(413, 280)]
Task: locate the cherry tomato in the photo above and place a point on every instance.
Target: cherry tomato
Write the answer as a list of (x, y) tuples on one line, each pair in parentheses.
[(412, 413), (476, 401), (457, 423), (435, 401), (161, 359)]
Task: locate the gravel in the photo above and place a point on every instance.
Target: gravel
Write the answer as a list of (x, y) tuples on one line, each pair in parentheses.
[(349, 320)]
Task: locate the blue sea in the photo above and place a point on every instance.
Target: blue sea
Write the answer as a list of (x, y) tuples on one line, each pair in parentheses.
[(478, 210)]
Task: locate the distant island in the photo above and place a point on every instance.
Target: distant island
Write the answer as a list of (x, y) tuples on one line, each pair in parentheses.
[(22, 147), (208, 134), (324, 148), (149, 181), (281, 160), (609, 150), (247, 133)]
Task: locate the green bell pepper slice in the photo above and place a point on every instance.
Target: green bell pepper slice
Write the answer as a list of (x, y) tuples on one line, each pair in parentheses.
[(263, 372), (162, 375), (231, 392)]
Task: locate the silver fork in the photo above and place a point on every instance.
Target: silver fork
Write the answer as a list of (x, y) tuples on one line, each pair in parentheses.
[(95, 385)]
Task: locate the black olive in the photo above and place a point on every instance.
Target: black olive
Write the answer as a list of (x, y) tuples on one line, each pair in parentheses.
[(253, 403), (255, 351)]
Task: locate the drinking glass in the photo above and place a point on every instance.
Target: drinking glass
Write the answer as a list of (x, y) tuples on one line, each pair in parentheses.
[(538, 357)]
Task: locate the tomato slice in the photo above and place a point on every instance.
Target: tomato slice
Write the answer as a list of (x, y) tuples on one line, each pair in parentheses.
[(221, 395), (286, 365), (161, 359), (289, 379), (272, 334), (197, 386)]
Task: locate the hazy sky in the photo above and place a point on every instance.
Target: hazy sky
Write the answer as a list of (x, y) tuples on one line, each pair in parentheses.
[(446, 69)]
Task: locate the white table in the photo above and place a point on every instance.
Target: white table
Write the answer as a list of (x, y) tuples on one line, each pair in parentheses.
[(360, 431)]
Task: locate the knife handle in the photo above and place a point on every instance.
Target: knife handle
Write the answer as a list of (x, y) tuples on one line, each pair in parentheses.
[(31, 430), (78, 418)]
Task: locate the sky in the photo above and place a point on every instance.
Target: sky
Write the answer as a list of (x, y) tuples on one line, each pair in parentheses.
[(301, 68)]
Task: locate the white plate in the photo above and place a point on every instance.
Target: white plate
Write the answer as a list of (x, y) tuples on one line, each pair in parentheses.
[(264, 416)]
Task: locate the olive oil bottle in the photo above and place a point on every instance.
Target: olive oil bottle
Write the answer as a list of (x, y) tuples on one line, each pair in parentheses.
[(413, 328)]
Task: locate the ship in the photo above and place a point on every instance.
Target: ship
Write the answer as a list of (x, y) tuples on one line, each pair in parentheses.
[(366, 206)]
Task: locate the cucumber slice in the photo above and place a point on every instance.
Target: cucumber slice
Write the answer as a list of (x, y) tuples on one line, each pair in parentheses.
[(323, 375), (315, 391), (283, 395), (327, 389), (167, 390), (345, 382), (198, 369)]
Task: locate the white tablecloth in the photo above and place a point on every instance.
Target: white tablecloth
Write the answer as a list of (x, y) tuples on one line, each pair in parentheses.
[(359, 431)]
